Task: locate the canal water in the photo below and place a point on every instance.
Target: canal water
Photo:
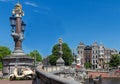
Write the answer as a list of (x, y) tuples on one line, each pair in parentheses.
[(106, 81)]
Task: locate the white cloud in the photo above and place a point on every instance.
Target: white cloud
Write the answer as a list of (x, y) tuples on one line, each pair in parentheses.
[(39, 9), (31, 4), (44, 8), (40, 12)]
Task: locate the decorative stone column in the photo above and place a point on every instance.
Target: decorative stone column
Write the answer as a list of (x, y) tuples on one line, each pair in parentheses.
[(60, 61), (74, 62), (17, 58), (18, 29)]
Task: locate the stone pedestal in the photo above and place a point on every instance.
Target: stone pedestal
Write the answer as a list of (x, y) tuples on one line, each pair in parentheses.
[(60, 62), (21, 61)]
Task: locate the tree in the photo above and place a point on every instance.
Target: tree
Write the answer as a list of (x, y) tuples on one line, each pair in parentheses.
[(67, 54), (115, 60), (37, 54), (1, 66), (4, 51), (52, 59), (88, 65)]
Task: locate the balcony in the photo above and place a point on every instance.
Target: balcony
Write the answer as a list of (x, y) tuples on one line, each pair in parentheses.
[(101, 57)]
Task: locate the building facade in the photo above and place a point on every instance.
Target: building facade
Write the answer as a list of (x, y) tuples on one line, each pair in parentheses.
[(107, 58), (114, 51), (95, 55), (88, 54), (98, 55), (101, 56), (80, 52)]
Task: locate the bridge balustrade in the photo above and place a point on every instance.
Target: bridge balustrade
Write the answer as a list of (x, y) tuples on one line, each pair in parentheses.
[(44, 77)]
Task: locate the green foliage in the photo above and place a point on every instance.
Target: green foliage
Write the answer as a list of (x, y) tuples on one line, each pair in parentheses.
[(88, 65), (115, 60), (0, 65), (52, 59), (67, 54), (37, 54), (4, 51)]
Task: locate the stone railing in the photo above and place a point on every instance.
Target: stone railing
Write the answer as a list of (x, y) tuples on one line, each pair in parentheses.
[(44, 77), (51, 68), (54, 68)]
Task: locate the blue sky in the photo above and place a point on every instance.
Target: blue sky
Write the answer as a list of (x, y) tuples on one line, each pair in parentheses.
[(74, 21)]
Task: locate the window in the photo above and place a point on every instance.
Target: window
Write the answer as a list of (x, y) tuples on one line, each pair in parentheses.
[(102, 51), (96, 61), (96, 66), (96, 51), (81, 52), (78, 61)]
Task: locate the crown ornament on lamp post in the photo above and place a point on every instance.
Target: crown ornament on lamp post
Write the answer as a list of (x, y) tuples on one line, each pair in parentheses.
[(17, 11)]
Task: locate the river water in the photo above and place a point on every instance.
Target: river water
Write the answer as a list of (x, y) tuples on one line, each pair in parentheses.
[(106, 81)]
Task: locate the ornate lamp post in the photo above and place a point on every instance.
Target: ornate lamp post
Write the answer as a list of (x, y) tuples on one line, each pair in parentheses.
[(74, 62), (60, 61), (18, 28), (18, 57)]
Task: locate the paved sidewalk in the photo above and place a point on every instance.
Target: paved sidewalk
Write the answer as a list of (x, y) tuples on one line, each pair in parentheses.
[(16, 82)]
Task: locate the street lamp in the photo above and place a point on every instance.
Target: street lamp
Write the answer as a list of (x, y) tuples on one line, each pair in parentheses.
[(13, 22), (74, 62), (23, 26)]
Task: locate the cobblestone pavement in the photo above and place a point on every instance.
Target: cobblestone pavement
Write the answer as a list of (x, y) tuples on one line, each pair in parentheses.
[(16, 82)]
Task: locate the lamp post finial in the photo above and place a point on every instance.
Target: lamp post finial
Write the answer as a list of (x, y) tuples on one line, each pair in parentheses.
[(17, 11)]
